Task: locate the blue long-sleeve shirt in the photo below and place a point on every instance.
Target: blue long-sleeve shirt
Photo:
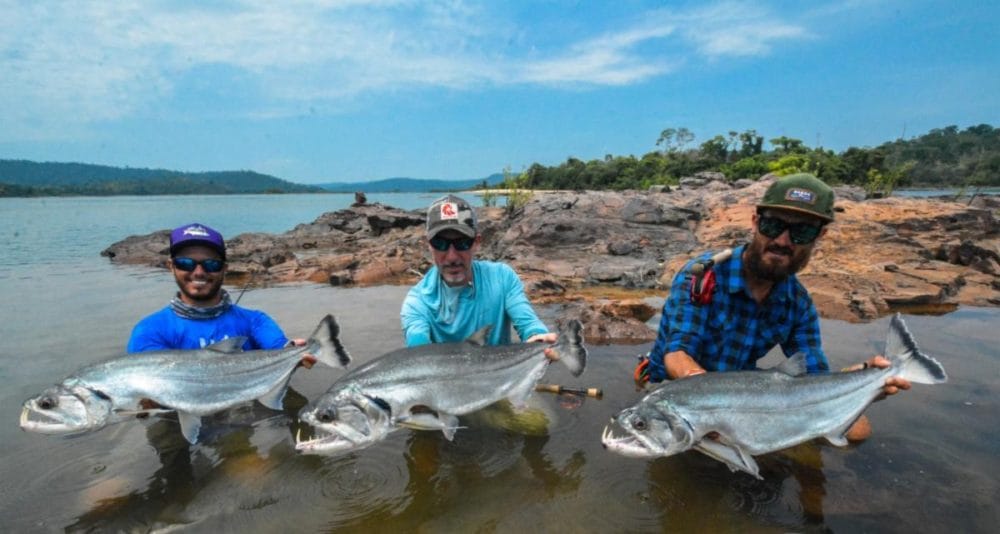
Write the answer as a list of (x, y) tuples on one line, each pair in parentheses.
[(732, 332), (496, 297), (165, 330)]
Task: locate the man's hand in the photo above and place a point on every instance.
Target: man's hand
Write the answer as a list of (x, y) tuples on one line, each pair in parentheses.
[(892, 384), (549, 337), (681, 365)]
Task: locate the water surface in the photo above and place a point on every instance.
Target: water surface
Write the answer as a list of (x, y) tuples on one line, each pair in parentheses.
[(931, 465)]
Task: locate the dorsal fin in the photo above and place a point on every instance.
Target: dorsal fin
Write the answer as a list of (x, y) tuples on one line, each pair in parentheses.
[(479, 338), (794, 365), (228, 345)]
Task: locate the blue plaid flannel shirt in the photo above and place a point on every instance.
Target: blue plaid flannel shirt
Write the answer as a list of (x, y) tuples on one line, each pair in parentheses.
[(732, 332)]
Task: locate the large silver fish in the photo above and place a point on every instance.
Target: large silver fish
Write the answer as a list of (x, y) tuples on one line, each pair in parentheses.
[(428, 386), (755, 412), (191, 382)]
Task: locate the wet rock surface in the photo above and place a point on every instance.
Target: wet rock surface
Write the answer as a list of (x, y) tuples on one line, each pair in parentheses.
[(592, 252)]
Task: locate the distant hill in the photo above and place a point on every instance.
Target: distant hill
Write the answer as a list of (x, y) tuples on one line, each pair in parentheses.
[(411, 185), (29, 178)]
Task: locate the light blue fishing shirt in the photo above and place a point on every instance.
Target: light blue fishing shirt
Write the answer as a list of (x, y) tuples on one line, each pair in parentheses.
[(435, 313), (165, 330)]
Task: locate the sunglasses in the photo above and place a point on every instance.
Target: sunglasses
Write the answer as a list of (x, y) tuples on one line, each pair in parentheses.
[(189, 265), (461, 244), (800, 233)]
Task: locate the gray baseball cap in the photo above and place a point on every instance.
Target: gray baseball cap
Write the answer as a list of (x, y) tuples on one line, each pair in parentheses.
[(451, 213)]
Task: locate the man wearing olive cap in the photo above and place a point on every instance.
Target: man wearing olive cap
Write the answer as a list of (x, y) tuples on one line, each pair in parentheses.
[(758, 302)]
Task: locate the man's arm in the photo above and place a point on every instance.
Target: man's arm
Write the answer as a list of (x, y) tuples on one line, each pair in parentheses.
[(416, 328), (266, 333), (527, 324), (678, 337)]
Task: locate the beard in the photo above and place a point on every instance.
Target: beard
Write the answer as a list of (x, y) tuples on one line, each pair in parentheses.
[(774, 272)]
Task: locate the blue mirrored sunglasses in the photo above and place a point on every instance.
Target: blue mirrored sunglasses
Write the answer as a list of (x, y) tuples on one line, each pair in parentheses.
[(461, 244), (189, 264)]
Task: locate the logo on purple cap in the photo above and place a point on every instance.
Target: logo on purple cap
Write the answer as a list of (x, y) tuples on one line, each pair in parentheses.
[(196, 231), (800, 195)]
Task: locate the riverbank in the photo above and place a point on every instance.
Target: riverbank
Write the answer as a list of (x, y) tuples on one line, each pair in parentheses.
[(598, 253)]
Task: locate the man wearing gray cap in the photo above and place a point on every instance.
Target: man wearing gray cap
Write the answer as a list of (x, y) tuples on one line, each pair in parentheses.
[(460, 295)]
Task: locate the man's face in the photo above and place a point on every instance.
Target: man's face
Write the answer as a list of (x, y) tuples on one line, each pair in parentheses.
[(454, 265), (776, 258), (198, 287)]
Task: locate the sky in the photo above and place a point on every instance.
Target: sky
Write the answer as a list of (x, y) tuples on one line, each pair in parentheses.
[(316, 91)]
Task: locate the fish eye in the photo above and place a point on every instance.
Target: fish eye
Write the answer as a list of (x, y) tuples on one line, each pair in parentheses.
[(48, 402), (639, 423), (327, 415)]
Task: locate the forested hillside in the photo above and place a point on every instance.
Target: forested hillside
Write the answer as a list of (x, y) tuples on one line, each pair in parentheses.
[(28, 178), (946, 157)]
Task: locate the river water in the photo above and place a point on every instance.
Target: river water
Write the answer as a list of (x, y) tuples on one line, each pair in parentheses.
[(931, 466)]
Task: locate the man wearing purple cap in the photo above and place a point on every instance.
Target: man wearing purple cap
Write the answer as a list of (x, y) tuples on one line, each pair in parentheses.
[(201, 313)]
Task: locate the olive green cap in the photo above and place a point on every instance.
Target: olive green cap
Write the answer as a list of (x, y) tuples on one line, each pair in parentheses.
[(800, 192)]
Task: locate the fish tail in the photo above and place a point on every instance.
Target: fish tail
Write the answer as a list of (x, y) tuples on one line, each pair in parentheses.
[(326, 336), (570, 349), (903, 352)]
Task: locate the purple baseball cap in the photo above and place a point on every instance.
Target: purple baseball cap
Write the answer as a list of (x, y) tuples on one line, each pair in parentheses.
[(196, 234)]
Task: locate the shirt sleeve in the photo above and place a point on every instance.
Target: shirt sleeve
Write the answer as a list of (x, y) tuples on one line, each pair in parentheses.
[(145, 337), (681, 325), (266, 333), (519, 309), (416, 329), (805, 335)]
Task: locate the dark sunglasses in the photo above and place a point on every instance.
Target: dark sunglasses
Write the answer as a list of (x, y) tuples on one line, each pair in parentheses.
[(461, 244), (800, 233), (189, 265)]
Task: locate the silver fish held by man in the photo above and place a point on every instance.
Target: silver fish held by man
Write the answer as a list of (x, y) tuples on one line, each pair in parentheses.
[(429, 386), (191, 382), (756, 412)]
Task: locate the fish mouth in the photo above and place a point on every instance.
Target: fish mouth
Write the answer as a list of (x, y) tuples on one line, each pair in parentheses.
[(33, 420), (331, 440), (626, 445)]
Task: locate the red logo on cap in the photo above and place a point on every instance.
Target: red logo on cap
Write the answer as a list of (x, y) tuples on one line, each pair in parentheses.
[(448, 211)]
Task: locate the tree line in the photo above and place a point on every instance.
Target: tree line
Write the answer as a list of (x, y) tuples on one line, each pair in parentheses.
[(944, 157)]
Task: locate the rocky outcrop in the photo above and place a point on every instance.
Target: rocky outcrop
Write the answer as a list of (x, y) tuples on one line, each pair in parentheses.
[(578, 247)]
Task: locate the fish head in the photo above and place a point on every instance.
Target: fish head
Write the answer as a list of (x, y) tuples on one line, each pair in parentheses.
[(66, 409), (345, 421), (648, 430)]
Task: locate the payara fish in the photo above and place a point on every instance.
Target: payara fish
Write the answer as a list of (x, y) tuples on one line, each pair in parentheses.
[(429, 386), (755, 412), (191, 382)]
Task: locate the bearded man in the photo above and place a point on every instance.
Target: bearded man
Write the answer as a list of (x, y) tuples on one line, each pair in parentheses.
[(757, 301)]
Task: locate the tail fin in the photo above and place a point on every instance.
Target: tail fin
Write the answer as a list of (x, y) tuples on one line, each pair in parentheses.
[(330, 351), (914, 365), (570, 349)]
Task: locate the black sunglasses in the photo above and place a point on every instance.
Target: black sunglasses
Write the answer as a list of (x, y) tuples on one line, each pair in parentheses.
[(800, 233), (461, 244), (189, 265)]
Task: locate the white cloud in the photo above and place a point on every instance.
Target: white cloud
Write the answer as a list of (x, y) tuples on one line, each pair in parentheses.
[(67, 64)]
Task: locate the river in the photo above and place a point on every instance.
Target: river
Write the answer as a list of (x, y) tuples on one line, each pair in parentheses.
[(931, 465)]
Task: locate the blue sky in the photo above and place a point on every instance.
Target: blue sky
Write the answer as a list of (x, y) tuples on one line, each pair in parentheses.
[(353, 90)]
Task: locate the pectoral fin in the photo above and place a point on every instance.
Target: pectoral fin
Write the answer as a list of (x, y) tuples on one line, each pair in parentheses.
[(273, 399), (736, 458), (446, 423), (190, 426)]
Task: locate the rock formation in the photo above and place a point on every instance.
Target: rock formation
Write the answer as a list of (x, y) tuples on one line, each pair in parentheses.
[(592, 251)]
